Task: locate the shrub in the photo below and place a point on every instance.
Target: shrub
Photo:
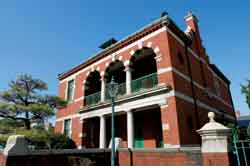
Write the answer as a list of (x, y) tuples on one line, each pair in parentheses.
[(39, 138)]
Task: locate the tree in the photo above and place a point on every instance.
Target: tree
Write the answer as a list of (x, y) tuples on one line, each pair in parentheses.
[(25, 101), (39, 138), (245, 89)]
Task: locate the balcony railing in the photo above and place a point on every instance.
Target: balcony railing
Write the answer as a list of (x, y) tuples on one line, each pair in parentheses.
[(93, 98), (121, 90), (145, 82)]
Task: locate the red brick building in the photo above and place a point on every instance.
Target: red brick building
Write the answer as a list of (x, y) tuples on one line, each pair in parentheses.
[(167, 85)]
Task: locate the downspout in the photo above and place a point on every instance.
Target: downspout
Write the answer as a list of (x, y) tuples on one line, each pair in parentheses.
[(187, 43)]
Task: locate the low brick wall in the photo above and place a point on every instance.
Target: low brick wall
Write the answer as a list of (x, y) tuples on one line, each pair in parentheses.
[(2, 159), (98, 157), (160, 157)]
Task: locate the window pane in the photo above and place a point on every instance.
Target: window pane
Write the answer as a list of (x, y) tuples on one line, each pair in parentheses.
[(67, 127), (70, 90)]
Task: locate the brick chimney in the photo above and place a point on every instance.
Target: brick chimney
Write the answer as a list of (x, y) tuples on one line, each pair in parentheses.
[(192, 23)]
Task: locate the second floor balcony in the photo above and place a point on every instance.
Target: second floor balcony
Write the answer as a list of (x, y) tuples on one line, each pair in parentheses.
[(135, 75), (137, 85)]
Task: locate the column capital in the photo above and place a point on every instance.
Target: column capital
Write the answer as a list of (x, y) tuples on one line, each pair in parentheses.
[(126, 63), (129, 110), (128, 68)]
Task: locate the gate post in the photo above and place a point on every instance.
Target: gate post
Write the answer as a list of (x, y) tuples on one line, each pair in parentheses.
[(215, 144)]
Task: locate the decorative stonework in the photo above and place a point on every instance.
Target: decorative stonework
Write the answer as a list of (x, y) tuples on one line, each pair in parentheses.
[(149, 44), (165, 126), (214, 136), (132, 52)]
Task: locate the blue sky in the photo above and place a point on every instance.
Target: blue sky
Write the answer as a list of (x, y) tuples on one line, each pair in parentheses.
[(46, 37)]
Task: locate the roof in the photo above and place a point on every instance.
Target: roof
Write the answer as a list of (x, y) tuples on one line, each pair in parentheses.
[(246, 117), (220, 74), (155, 25)]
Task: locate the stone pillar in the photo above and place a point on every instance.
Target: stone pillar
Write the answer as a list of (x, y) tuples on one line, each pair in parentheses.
[(103, 87), (16, 145), (128, 79), (215, 144), (102, 142), (130, 129)]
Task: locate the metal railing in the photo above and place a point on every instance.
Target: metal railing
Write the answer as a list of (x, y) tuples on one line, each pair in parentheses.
[(241, 148), (145, 82), (121, 90), (93, 98)]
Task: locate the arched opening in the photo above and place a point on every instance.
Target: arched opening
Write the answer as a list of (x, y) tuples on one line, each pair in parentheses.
[(144, 69), (92, 90), (116, 70)]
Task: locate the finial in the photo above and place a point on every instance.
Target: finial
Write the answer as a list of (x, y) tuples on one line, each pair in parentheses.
[(211, 116), (190, 13), (164, 13)]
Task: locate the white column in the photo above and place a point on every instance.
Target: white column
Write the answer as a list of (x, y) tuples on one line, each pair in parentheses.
[(103, 84), (128, 79), (102, 141), (130, 129)]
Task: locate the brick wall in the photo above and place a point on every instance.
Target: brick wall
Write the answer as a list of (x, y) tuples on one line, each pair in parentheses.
[(172, 157), (59, 157), (125, 157), (2, 159), (167, 44)]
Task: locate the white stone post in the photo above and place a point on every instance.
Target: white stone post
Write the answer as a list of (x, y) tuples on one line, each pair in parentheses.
[(103, 87), (16, 145), (128, 80), (130, 129), (102, 142), (214, 136)]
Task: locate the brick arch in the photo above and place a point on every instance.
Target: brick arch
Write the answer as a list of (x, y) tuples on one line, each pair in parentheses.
[(143, 62), (116, 68), (92, 83)]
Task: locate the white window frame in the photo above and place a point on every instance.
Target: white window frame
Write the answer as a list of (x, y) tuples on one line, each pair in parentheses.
[(73, 90), (70, 127)]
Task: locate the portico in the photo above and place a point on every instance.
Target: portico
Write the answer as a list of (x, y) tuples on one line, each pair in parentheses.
[(137, 128)]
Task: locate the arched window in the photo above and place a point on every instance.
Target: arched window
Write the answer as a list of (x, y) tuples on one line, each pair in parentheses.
[(116, 70), (144, 69), (92, 89)]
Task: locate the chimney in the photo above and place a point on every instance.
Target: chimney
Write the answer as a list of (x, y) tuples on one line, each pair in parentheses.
[(192, 23)]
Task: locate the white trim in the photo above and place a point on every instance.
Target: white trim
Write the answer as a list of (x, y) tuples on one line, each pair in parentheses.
[(79, 99), (70, 126), (164, 70), (158, 99), (187, 78), (213, 73), (68, 117), (73, 90), (195, 55), (118, 52), (153, 100), (199, 103), (171, 146)]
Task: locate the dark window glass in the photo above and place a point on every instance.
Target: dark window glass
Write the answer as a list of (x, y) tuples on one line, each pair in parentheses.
[(67, 127), (70, 90), (180, 58)]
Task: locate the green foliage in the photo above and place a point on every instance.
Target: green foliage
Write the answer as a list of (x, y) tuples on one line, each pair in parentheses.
[(40, 138), (25, 103), (76, 161), (9, 125), (245, 89)]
